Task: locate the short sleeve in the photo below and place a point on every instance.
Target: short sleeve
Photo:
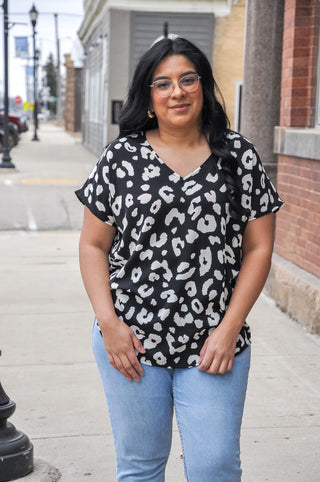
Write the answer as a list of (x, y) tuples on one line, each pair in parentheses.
[(96, 192), (264, 197)]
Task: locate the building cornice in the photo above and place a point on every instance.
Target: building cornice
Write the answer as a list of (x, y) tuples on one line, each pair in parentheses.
[(95, 9), (218, 7)]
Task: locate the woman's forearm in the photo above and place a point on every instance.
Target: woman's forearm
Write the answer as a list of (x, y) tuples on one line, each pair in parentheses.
[(119, 340), (252, 277), (217, 353), (94, 268), (257, 250)]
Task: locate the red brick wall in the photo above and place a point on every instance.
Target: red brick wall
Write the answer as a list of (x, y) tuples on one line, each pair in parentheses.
[(299, 62), (298, 179), (298, 222)]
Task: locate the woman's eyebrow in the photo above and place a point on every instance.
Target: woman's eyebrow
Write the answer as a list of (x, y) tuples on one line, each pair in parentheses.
[(160, 77)]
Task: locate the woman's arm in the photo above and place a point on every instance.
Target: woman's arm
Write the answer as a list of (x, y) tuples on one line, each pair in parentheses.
[(120, 341), (217, 353)]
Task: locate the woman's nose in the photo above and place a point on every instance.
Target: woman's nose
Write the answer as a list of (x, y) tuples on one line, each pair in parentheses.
[(180, 90)]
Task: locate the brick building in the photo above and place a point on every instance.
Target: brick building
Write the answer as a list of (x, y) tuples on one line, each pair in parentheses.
[(73, 99), (73, 102), (294, 280), (281, 115)]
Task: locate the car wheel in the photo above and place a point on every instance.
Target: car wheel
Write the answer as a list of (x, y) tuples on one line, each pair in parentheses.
[(11, 141)]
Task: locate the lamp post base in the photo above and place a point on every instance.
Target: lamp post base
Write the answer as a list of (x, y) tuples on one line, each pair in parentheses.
[(7, 165), (6, 160), (18, 464), (16, 450), (35, 138)]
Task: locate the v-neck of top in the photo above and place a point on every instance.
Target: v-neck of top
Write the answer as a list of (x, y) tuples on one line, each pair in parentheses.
[(161, 161)]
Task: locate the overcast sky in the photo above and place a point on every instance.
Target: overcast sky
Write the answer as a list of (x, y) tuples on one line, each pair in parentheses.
[(70, 16)]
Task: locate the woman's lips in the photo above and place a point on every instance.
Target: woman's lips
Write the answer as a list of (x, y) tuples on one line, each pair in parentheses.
[(179, 107)]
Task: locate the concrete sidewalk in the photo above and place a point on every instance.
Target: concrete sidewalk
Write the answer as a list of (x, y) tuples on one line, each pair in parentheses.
[(38, 193), (47, 366)]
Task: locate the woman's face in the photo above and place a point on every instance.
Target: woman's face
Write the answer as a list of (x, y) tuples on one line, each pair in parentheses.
[(180, 109)]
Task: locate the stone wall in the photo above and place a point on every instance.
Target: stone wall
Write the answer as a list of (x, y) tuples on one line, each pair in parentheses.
[(295, 291), (72, 108)]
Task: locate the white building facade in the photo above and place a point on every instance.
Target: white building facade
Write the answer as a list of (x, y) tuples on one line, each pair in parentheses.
[(114, 34)]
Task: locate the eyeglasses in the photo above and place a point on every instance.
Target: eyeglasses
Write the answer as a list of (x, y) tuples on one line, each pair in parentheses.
[(188, 83)]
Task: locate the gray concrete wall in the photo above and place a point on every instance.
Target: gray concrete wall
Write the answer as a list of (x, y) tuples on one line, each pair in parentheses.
[(262, 76), (118, 65)]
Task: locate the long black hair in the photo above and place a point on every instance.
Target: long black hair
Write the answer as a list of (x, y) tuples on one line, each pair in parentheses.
[(215, 123)]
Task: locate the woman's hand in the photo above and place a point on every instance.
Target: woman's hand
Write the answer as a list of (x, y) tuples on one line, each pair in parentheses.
[(217, 353), (120, 343)]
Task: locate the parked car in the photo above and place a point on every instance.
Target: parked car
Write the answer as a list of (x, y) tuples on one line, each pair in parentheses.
[(15, 118), (1, 140), (25, 119)]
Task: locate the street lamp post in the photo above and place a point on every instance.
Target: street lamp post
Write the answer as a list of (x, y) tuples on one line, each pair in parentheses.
[(6, 159), (59, 105), (33, 17), (16, 450)]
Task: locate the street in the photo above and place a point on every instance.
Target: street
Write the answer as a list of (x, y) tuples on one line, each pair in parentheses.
[(47, 365)]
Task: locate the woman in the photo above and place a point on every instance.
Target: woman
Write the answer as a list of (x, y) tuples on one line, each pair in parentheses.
[(175, 248)]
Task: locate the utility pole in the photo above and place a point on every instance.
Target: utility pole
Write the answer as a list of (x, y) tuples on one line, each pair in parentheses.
[(6, 159), (59, 104)]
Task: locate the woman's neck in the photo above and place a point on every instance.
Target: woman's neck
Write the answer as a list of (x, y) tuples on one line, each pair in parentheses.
[(183, 138)]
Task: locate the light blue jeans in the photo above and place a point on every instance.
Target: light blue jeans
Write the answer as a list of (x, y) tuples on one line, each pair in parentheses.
[(208, 410)]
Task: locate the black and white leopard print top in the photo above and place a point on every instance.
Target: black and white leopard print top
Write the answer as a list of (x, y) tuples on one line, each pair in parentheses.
[(177, 253)]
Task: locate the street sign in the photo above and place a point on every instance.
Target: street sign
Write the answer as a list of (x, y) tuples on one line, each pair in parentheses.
[(17, 99), (21, 44)]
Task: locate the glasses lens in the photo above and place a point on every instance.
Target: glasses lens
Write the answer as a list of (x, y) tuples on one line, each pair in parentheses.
[(189, 83), (163, 87)]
